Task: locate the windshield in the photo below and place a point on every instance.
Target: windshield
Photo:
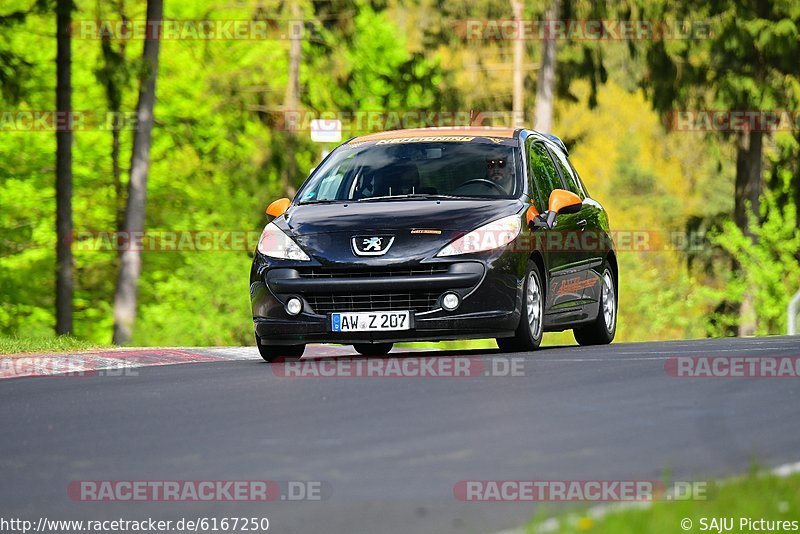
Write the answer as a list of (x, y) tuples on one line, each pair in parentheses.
[(472, 167)]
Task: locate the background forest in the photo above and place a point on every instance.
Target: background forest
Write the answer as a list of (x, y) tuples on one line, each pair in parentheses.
[(725, 203)]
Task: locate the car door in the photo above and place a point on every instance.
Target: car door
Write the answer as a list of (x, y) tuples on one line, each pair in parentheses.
[(591, 234), (563, 302)]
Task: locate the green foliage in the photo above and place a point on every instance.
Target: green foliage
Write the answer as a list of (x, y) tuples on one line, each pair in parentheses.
[(220, 151), (216, 160), (373, 69), (771, 265)]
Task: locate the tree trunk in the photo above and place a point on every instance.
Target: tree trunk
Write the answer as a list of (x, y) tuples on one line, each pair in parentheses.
[(748, 179), (116, 171), (545, 88), (112, 63), (130, 259), (747, 204), (518, 104), (63, 171), (295, 50), (291, 101)]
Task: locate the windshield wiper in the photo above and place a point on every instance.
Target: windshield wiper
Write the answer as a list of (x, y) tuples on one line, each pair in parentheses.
[(415, 195), (318, 202)]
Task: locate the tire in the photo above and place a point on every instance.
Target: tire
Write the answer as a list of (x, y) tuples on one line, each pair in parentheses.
[(373, 349), (270, 353), (530, 330), (601, 331)]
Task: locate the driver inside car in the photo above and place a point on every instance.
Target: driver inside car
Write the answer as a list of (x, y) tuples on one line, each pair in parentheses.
[(498, 171)]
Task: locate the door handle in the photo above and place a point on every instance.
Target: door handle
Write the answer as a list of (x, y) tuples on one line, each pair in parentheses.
[(582, 224)]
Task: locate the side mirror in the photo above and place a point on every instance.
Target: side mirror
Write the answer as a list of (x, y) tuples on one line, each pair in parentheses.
[(546, 221), (279, 207), (531, 214), (563, 201)]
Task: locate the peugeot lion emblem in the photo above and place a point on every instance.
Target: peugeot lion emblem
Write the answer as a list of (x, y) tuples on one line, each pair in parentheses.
[(372, 245)]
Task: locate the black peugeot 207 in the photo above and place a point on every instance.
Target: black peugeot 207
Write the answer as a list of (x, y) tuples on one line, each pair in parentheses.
[(435, 234)]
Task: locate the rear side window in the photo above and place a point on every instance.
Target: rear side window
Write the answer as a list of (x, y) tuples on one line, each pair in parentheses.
[(543, 173), (570, 177)]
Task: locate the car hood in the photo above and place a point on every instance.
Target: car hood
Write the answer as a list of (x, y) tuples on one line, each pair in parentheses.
[(364, 217)]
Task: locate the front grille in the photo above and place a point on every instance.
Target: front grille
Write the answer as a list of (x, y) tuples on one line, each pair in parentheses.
[(417, 302), (317, 272), (391, 300)]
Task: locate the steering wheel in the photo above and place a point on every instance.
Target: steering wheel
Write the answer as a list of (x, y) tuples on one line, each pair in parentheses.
[(483, 181)]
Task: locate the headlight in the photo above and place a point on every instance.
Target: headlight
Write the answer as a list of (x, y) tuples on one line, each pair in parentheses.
[(275, 244), (496, 234)]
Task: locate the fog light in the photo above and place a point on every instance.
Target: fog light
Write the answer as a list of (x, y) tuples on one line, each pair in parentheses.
[(293, 306), (450, 301)]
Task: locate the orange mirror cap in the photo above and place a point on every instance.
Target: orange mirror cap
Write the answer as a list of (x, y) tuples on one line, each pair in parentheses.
[(561, 199), (531, 214), (279, 207)]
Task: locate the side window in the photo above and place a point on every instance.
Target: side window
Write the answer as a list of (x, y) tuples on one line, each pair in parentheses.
[(568, 173), (543, 174)]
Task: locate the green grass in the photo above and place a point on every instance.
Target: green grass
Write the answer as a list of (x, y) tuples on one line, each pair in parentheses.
[(14, 345), (755, 496)]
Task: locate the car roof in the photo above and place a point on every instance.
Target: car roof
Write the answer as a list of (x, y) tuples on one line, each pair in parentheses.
[(474, 131)]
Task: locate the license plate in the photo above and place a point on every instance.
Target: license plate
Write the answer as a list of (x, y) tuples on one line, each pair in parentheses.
[(370, 321)]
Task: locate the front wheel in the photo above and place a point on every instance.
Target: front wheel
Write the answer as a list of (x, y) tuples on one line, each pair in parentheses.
[(528, 335), (601, 331), (373, 349), (270, 353)]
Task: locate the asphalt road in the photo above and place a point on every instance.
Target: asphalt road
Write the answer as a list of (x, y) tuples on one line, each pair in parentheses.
[(388, 451)]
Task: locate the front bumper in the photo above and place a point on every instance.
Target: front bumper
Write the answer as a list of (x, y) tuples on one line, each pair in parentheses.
[(304, 329), (490, 292)]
